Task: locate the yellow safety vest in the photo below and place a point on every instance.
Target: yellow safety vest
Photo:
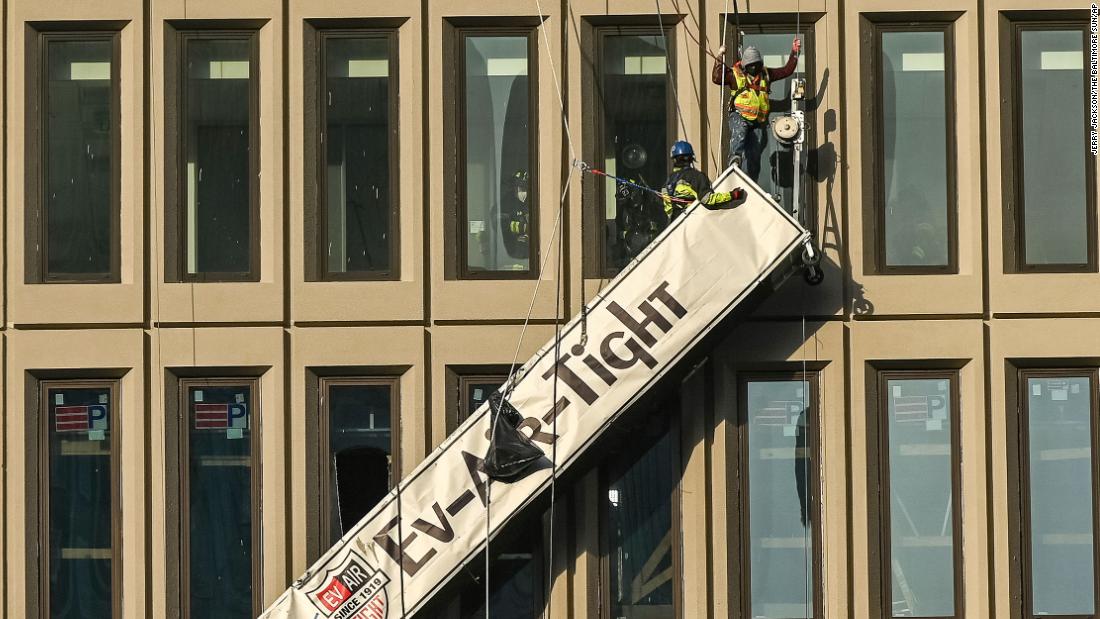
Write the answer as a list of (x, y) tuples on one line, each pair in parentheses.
[(750, 97)]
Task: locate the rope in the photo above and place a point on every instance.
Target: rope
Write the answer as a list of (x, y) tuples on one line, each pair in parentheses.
[(584, 167), (668, 66)]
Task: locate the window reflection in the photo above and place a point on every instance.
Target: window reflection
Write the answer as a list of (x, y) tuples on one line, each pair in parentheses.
[(1061, 468), (633, 93), (916, 190), (476, 391), (499, 191), (780, 495), (920, 486), (639, 534), (79, 134), (1054, 154), (360, 451), (219, 500), (358, 195), (80, 509), (216, 138)]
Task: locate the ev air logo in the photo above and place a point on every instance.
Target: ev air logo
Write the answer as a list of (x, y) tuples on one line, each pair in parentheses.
[(352, 591)]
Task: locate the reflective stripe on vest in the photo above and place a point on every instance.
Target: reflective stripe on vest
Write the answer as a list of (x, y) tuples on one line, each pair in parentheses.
[(751, 99)]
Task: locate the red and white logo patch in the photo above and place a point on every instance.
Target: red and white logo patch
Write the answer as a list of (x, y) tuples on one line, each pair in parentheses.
[(354, 590)]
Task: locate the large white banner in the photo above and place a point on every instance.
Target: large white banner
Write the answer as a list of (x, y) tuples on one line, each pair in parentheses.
[(392, 562)]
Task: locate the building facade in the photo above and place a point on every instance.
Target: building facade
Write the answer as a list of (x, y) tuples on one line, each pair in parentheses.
[(260, 258)]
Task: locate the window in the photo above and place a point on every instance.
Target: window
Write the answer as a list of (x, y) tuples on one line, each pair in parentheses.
[(1049, 164), (356, 135), (634, 121), (1058, 477), (72, 162), (78, 481), (213, 156), (219, 501), (917, 478), (639, 517), (516, 577), (776, 161), (359, 424), (474, 390), (912, 149), (497, 224), (779, 526)]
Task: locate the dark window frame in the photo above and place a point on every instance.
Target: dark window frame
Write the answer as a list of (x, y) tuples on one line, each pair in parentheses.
[(878, 477), (464, 380), (594, 87), (317, 35), (324, 520), (458, 90), (872, 27), (179, 429), (616, 465), (178, 33), (1019, 480), (36, 110), (1012, 177), (38, 482), (740, 479)]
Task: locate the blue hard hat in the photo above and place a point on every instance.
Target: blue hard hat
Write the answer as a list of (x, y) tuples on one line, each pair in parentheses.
[(682, 149)]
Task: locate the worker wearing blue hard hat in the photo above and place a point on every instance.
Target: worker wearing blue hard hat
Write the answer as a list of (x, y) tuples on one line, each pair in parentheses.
[(687, 184)]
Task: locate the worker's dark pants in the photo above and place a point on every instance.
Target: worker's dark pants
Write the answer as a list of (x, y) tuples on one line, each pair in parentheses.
[(747, 141)]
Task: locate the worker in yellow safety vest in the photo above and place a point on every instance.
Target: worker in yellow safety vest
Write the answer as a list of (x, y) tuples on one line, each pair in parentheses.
[(749, 83), (687, 184)]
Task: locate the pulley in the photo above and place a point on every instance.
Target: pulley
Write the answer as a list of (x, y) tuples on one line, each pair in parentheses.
[(785, 128)]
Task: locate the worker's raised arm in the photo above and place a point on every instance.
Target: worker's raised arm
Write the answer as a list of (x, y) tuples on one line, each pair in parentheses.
[(721, 74), (792, 63)]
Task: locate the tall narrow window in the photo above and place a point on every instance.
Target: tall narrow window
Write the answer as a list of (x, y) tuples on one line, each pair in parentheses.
[(220, 499), (633, 96), (78, 479), (358, 179), (359, 418), (497, 177), (72, 163), (640, 531), (914, 149), (217, 178), (1055, 214), (776, 162), (779, 497), (918, 486), (1059, 475)]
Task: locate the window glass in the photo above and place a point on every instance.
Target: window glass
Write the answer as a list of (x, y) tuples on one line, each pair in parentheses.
[(217, 147), (80, 517), (1061, 470), (476, 391), (919, 426), (915, 183), (79, 158), (498, 188), (780, 506), (1053, 144), (634, 97), (358, 201), (514, 576), (360, 451), (640, 536), (219, 500)]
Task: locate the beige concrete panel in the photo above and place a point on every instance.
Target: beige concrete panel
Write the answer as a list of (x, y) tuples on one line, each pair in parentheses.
[(29, 351), (953, 342), (229, 347), (351, 347), (474, 345), (77, 303), (1022, 340), (357, 301), (755, 346), (924, 294), (224, 302), (696, 549), (481, 299), (1009, 292), (6, 505)]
